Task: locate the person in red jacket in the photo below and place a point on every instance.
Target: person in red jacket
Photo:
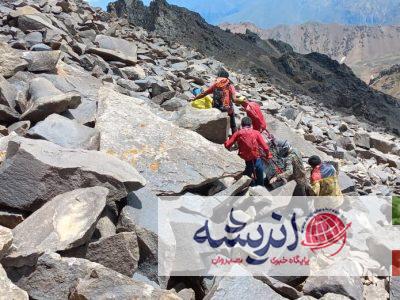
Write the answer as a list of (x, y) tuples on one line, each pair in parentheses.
[(252, 148), (253, 111), (224, 94)]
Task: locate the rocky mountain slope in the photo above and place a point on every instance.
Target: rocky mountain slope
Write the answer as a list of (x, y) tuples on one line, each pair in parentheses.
[(268, 14), (388, 81), (94, 128), (367, 50), (312, 74)]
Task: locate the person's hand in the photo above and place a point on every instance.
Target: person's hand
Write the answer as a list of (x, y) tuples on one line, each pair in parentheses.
[(273, 180)]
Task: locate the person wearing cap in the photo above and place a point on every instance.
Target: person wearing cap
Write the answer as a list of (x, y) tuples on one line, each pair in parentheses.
[(324, 178), (224, 94), (253, 111)]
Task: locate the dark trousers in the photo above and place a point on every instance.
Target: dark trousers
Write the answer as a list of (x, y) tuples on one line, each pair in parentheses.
[(255, 169), (233, 123)]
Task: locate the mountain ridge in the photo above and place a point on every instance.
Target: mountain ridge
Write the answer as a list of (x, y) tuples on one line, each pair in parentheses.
[(366, 49), (314, 74)]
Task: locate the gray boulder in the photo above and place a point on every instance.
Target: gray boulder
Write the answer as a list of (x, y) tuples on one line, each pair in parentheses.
[(41, 87), (245, 288), (318, 286), (140, 216), (55, 277), (20, 128), (210, 123), (8, 115), (66, 133), (6, 238), (42, 61), (31, 176), (381, 143), (10, 61), (42, 107), (8, 93), (10, 218), (174, 104), (119, 252), (9, 290), (362, 139), (283, 132), (171, 158), (65, 222), (111, 55), (125, 47), (134, 72), (395, 288)]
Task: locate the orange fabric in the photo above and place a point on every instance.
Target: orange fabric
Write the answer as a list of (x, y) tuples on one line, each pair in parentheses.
[(255, 114), (224, 84)]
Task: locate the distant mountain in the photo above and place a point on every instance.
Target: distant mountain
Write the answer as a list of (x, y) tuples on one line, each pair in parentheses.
[(271, 13), (388, 81), (366, 49), (313, 74)]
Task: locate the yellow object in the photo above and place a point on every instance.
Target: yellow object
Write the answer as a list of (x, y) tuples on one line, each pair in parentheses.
[(240, 99), (327, 187), (203, 103)]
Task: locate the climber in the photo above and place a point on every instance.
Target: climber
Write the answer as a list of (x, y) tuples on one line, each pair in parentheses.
[(202, 103), (252, 148), (224, 94), (292, 167), (324, 178), (253, 111)]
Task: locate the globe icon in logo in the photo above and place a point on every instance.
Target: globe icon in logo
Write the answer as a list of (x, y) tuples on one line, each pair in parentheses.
[(326, 231)]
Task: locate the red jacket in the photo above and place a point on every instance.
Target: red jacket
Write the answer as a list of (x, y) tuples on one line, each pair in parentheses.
[(219, 83), (249, 141), (254, 113)]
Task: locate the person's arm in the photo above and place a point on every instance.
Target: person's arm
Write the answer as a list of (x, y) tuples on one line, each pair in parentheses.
[(315, 188), (288, 169), (209, 91), (233, 92), (229, 143), (263, 144)]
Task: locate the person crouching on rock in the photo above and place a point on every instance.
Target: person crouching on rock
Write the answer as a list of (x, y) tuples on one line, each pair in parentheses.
[(224, 94), (252, 148), (324, 178)]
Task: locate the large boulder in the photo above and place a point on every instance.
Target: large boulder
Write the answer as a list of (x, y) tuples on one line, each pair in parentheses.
[(242, 288), (210, 123), (119, 252), (36, 171), (8, 115), (111, 55), (55, 277), (10, 61), (125, 47), (395, 288), (6, 239), (9, 290), (42, 107), (283, 132), (42, 61), (8, 93), (66, 133), (318, 286), (65, 222), (171, 158)]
